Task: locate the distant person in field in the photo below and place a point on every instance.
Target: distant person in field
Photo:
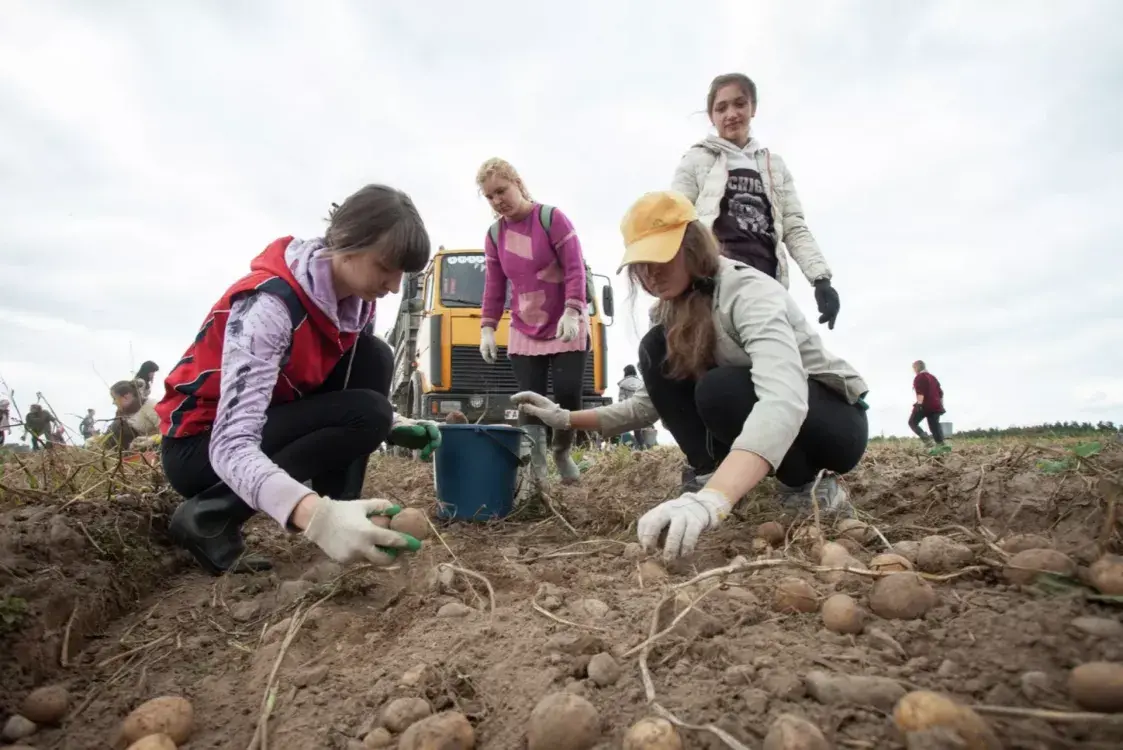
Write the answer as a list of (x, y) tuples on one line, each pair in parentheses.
[(734, 372), (144, 377), (929, 404), (86, 427), (136, 421), (745, 194), (39, 424), (628, 386), (535, 248), (285, 383), (5, 419)]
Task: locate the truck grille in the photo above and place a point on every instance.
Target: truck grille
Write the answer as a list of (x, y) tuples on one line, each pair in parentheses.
[(470, 374)]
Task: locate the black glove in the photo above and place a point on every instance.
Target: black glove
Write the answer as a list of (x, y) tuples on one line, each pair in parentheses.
[(827, 300)]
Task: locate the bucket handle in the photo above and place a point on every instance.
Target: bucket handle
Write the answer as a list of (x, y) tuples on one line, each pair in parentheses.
[(520, 461)]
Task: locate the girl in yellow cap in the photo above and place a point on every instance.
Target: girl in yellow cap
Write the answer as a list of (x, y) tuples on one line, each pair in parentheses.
[(736, 374)]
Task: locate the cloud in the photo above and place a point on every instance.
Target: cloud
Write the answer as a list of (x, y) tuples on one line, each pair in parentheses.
[(957, 164)]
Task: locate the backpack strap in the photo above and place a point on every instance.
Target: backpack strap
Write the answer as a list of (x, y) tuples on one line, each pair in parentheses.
[(493, 232), (546, 217)]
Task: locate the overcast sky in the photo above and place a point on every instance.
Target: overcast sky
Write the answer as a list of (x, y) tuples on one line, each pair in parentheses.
[(959, 163)]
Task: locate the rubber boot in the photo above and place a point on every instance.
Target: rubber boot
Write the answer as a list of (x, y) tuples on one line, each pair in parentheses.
[(567, 468), (209, 526), (538, 466)]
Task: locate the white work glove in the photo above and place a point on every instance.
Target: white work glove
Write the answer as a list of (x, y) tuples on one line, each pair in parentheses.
[(488, 349), (568, 325), (343, 530), (537, 405), (685, 518)]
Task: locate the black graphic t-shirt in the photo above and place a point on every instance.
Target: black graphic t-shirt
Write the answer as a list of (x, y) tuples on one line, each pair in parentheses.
[(744, 225)]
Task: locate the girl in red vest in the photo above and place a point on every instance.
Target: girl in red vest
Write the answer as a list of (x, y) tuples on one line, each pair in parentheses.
[(284, 384)]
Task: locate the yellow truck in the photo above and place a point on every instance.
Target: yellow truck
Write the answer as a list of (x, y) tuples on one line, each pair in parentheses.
[(436, 340)]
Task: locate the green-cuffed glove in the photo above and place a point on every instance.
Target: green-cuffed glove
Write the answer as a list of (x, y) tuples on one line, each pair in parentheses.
[(416, 435)]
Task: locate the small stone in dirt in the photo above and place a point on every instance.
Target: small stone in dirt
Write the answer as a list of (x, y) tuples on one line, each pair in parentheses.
[(563, 721), (17, 727), (652, 733), (245, 611), (603, 669), (882, 640), (784, 685), (550, 589), (290, 591), (1106, 574), (841, 614), (310, 676), (277, 631), (908, 549), (755, 700), (1035, 686), (880, 692), (153, 742), (455, 609), (1023, 568), (378, 738), (652, 572), (1101, 627), (593, 609), (551, 603), (940, 555), (771, 532), (795, 595), (509, 552), (902, 596), (46, 705), (324, 571), (791, 732), (448, 730), (1097, 686), (947, 668), (402, 712), (1021, 542), (633, 551), (416, 676)]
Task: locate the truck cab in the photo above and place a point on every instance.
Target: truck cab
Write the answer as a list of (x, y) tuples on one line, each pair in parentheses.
[(438, 367)]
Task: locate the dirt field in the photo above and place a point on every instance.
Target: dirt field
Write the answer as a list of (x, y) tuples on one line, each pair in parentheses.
[(93, 599)]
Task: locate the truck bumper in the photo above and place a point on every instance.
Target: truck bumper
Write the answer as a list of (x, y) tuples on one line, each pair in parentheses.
[(490, 409)]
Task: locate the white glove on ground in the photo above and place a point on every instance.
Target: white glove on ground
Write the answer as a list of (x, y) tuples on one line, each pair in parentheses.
[(568, 325), (342, 529), (537, 405), (685, 518), (488, 348)]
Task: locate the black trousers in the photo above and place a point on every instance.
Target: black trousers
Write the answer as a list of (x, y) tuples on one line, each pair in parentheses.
[(933, 424), (706, 415), (567, 370), (326, 437)]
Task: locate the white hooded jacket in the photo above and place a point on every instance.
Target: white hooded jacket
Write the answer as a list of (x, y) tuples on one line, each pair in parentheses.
[(702, 175)]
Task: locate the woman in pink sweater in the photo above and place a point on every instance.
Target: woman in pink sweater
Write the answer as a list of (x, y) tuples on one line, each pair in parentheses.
[(535, 248)]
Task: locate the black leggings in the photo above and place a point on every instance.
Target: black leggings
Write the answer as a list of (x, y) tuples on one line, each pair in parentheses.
[(532, 372), (933, 424), (706, 415), (326, 437)]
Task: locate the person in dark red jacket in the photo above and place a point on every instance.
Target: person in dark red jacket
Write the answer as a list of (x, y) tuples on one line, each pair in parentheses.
[(284, 384), (929, 404)]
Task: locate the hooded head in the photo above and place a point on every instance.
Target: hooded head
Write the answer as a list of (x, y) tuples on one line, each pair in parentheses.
[(629, 371)]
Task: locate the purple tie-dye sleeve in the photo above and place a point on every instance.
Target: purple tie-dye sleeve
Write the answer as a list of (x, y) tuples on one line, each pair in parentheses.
[(257, 335)]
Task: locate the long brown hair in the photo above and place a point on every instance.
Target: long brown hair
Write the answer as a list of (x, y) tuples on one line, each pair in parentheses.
[(382, 219), (688, 319)]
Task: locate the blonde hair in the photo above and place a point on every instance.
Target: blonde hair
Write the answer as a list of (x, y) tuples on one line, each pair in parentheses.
[(496, 167), (688, 319)]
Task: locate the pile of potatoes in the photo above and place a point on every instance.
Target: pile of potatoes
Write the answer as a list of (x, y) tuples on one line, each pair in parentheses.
[(159, 724)]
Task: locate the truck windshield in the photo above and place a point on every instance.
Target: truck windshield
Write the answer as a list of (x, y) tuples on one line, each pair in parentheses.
[(462, 281)]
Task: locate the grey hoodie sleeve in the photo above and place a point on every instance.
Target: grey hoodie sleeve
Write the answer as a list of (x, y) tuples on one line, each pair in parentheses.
[(623, 416), (798, 239), (687, 179)]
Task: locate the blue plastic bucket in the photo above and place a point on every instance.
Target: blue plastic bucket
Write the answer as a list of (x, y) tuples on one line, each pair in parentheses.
[(475, 471)]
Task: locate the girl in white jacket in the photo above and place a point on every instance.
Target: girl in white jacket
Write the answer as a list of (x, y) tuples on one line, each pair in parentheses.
[(745, 194)]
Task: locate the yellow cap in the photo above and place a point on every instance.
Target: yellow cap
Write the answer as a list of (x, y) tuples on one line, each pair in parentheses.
[(654, 227)]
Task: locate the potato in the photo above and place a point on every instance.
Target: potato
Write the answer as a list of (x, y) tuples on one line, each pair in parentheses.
[(806, 536), (652, 733), (46, 705), (771, 532), (563, 721), (834, 576), (849, 545), (169, 714), (890, 563), (1023, 568), (153, 742), (902, 596), (841, 614), (634, 552), (940, 555), (907, 549), (924, 709), (832, 553), (652, 572), (1106, 574), (383, 521), (400, 713), (411, 521), (1022, 542), (795, 595), (791, 732), (1097, 686), (854, 529), (448, 730)]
